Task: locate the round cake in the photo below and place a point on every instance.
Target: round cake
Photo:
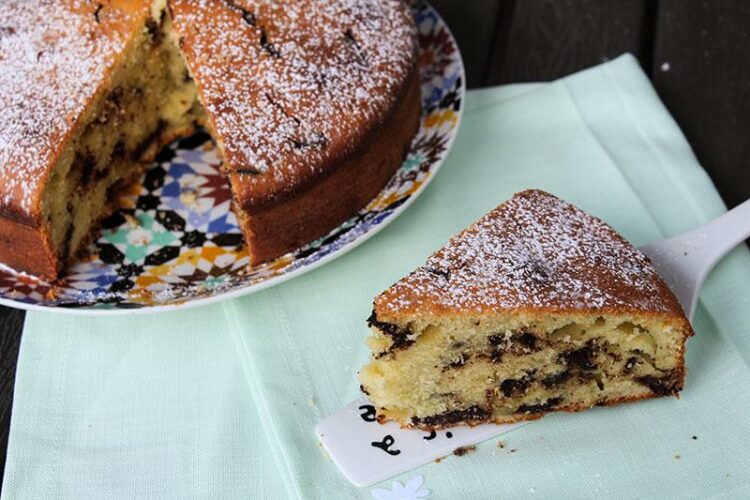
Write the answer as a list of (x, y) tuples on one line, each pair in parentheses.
[(313, 105)]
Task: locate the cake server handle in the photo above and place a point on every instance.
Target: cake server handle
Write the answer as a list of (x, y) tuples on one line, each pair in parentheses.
[(685, 260), (367, 452)]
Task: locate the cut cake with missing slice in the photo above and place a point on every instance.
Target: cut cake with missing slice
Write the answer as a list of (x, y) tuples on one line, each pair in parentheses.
[(537, 307)]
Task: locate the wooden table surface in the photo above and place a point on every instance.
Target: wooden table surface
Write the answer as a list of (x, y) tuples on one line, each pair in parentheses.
[(695, 52)]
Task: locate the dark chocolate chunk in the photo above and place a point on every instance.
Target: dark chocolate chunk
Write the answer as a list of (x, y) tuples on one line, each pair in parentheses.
[(358, 49), (496, 340), (535, 271), (439, 272), (400, 336), (557, 378), (317, 140), (268, 46), (470, 414), (630, 363), (119, 150), (662, 386), (154, 31), (98, 11), (580, 358), (496, 356), (599, 383), (527, 340), (115, 97), (86, 163), (512, 386), (247, 16), (540, 407)]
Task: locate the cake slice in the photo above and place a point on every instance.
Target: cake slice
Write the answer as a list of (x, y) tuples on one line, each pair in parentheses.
[(89, 92), (536, 307)]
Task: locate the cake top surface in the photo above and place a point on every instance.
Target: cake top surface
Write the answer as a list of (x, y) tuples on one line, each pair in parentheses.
[(55, 55), (291, 88), (534, 252)]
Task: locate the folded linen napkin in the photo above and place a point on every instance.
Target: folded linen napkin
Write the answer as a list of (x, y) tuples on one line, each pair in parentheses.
[(221, 402), (149, 406)]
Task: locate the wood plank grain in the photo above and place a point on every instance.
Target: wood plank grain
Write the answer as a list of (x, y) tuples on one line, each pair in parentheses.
[(702, 73), (11, 325), (473, 23), (547, 39)]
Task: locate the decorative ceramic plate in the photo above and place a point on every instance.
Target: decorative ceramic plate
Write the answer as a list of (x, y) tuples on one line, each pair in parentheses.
[(175, 241)]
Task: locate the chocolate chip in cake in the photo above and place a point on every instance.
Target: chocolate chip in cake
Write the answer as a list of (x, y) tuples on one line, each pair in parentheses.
[(154, 30), (512, 386), (247, 16), (358, 50), (540, 407), (471, 414), (527, 340), (97, 13), (581, 358), (630, 364), (398, 335), (439, 272), (119, 150), (496, 355), (317, 140), (662, 386), (555, 379), (85, 162), (268, 46)]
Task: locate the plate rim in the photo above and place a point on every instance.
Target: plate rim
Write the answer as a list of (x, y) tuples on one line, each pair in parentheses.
[(92, 311)]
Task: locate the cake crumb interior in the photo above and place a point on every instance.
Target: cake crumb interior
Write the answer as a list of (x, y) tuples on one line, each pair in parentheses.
[(152, 99), (439, 371)]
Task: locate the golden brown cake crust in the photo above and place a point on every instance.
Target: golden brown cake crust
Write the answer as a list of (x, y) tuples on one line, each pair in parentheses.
[(534, 253), (55, 58), (304, 85)]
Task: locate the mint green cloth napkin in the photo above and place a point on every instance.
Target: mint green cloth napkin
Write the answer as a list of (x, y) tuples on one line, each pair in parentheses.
[(222, 401), (150, 407), (603, 140)]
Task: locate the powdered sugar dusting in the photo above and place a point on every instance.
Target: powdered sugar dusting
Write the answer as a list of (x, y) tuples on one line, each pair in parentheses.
[(291, 87), (54, 56), (533, 251)]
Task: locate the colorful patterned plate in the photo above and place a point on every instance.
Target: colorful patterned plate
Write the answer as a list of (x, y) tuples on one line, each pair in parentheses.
[(175, 240)]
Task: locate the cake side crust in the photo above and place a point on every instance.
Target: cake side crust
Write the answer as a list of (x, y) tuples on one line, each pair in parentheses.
[(343, 190)]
